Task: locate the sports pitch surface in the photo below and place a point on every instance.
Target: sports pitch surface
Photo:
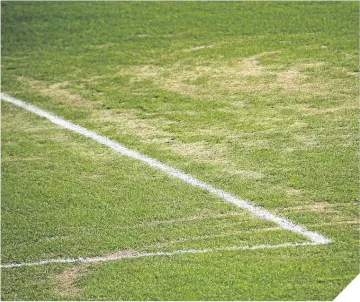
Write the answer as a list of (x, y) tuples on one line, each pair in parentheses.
[(179, 151)]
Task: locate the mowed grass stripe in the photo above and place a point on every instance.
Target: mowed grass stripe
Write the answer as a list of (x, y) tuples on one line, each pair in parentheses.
[(257, 211)]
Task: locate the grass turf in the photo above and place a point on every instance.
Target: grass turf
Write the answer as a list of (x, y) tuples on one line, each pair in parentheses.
[(258, 99)]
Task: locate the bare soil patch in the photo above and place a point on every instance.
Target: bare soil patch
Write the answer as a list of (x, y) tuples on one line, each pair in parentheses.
[(65, 282)]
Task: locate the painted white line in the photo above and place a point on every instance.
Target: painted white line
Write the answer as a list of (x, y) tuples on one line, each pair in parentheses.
[(244, 204), (146, 254)]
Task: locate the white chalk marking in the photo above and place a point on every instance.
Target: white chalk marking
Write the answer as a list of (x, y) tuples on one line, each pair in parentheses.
[(284, 223), (148, 254), (244, 204)]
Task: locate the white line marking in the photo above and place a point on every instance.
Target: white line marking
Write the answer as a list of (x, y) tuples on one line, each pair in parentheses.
[(141, 255), (257, 211)]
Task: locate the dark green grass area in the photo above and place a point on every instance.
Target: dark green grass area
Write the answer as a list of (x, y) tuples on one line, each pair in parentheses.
[(259, 99)]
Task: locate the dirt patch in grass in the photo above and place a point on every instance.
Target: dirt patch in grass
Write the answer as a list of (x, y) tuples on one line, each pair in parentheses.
[(65, 282)]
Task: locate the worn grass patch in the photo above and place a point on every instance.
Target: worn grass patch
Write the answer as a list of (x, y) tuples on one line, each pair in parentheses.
[(65, 282), (209, 79), (57, 91)]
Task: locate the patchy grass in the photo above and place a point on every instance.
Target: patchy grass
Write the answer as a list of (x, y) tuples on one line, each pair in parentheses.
[(65, 282), (257, 98)]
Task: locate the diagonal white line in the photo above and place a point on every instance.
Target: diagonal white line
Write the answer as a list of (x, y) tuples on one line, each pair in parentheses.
[(146, 254), (256, 210)]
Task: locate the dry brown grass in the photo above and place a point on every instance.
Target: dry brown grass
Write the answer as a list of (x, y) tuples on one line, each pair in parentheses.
[(120, 254), (251, 66), (65, 282), (200, 152), (293, 192), (247, 173), (58, 92), (289, 79), (306, 141), (225, 78), (127, 121), (306, 109), (320, 207), (356, 221)]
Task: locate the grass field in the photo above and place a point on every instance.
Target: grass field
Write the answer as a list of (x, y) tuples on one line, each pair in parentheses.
[(259, 99)]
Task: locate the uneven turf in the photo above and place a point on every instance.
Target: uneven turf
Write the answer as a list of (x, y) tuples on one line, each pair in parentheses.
[(258, 99)]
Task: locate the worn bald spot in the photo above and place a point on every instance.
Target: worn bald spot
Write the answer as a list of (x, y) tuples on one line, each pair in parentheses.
[(65, 282), (59, 92)]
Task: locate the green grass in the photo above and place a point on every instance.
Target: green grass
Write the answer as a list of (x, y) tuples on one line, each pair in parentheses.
[(258, 99)]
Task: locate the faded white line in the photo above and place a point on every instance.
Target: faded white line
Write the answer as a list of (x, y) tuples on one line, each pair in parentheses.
[(148, 254), (244, 204)]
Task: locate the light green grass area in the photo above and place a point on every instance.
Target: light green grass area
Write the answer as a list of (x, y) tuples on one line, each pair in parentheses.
[(258, 99)]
